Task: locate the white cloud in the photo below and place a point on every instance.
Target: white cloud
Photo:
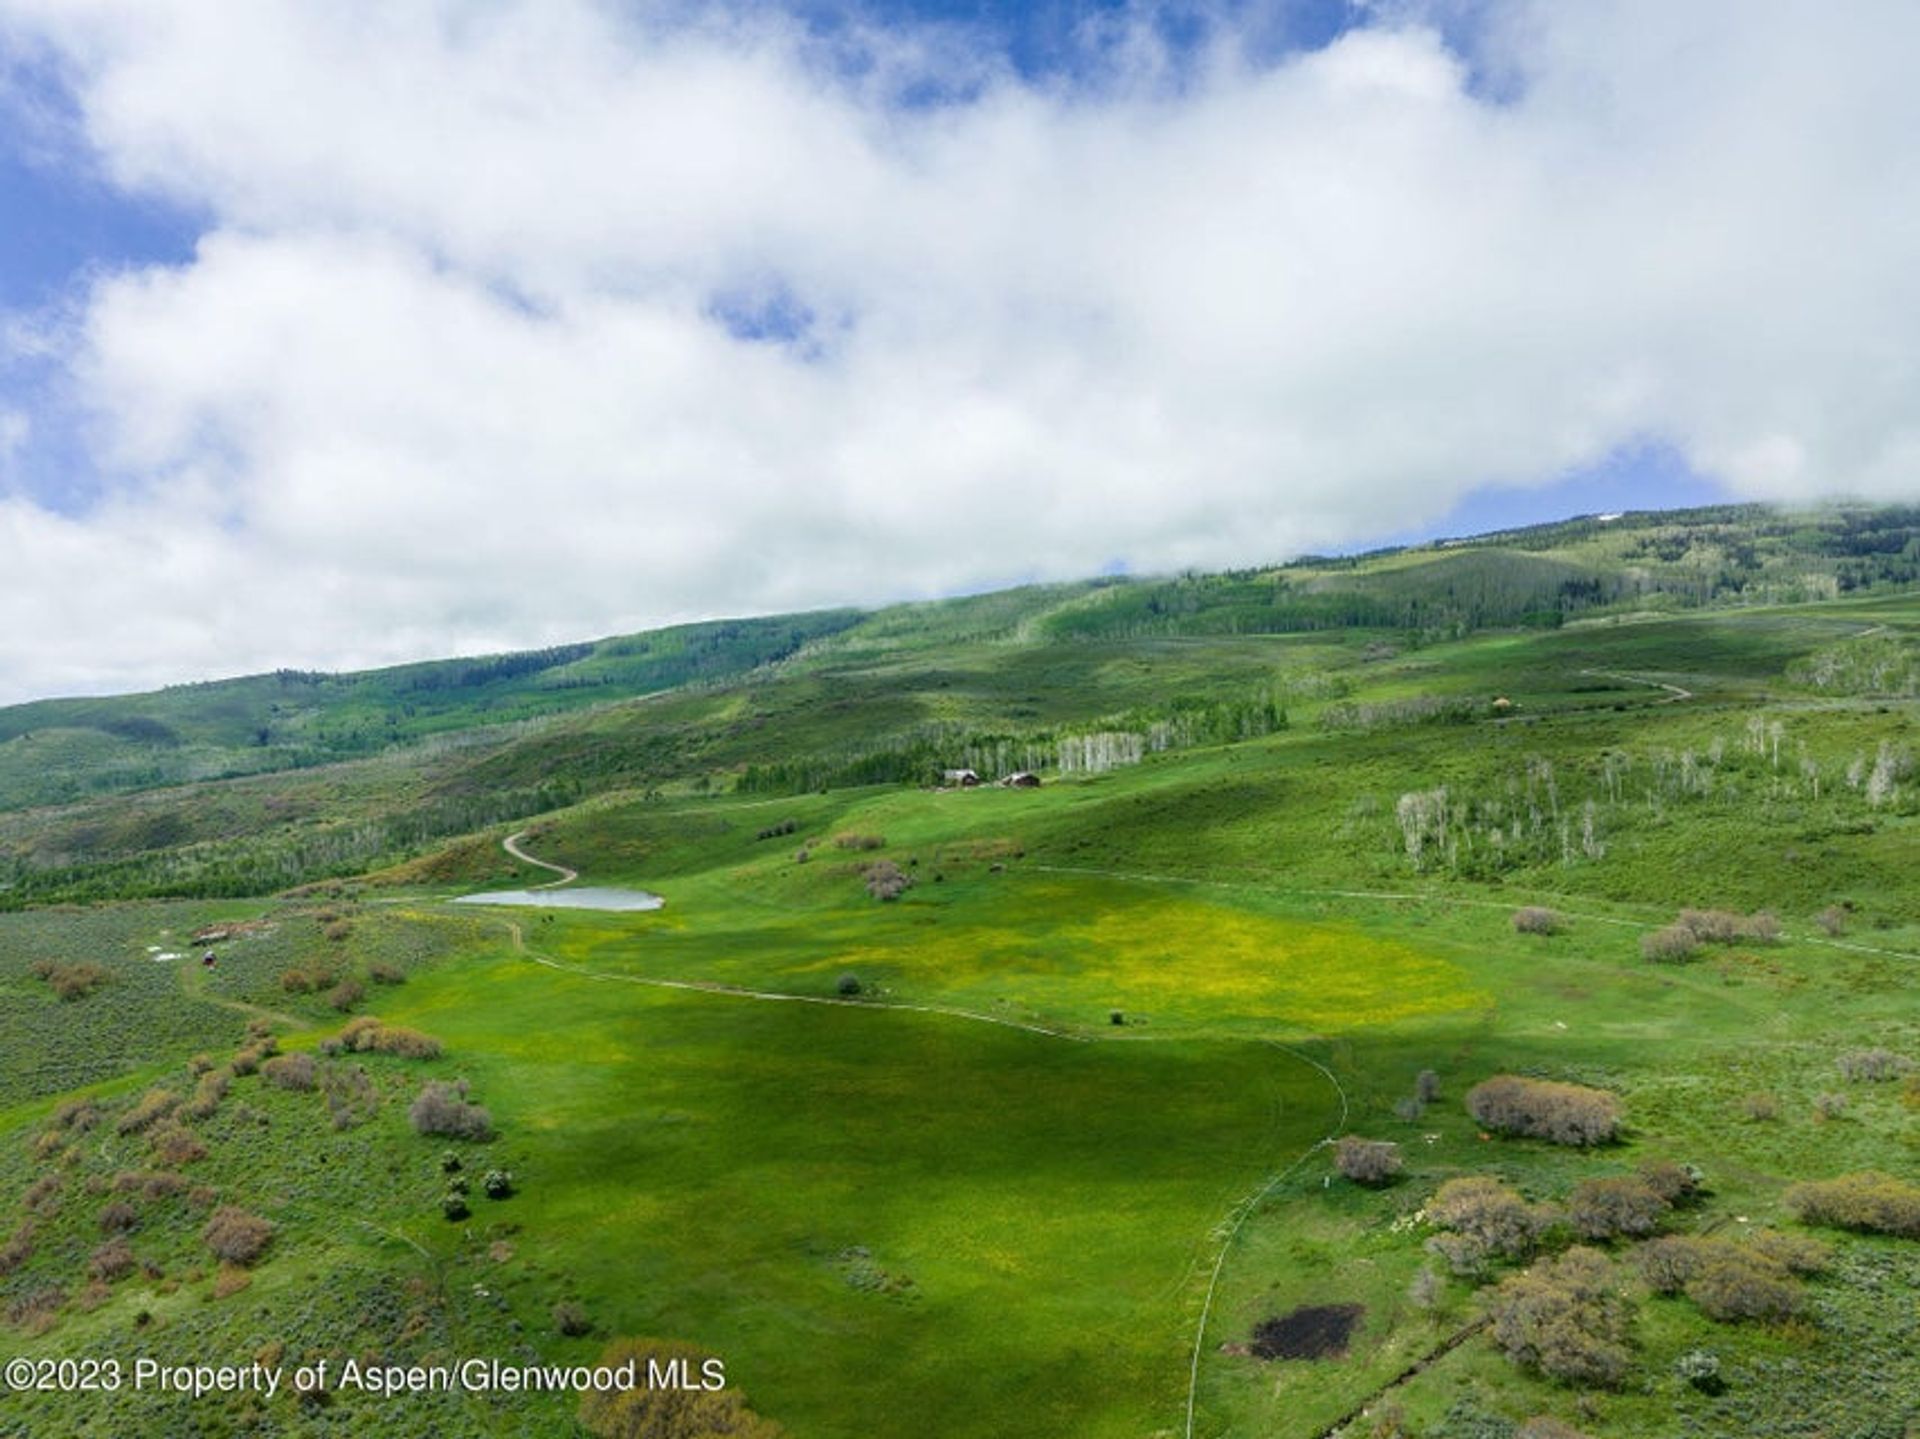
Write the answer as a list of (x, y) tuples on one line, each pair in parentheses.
[(446, 371)]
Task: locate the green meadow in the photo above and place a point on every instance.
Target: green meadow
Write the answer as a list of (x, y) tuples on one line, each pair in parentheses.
[(998, 1111)]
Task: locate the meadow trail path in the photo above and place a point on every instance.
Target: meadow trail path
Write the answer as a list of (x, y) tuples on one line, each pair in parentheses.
[(1224, 1233), (193, 982), (735, 991), (1229, 1229), (511, 844), (1674, 692)]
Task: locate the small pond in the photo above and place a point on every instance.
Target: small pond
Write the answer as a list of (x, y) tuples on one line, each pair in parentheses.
[(584, 898)]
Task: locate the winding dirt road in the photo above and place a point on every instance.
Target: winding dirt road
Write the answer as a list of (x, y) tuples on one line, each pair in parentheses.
[(1674, 693), (511, 844)]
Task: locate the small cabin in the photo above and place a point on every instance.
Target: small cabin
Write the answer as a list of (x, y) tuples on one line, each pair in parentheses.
[(1022, 779), (959, 778)]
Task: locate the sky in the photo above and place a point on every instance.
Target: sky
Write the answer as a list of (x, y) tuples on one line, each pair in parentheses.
[(335, 333)]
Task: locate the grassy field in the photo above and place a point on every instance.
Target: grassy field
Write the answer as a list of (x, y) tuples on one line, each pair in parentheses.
[(1035, 1146)]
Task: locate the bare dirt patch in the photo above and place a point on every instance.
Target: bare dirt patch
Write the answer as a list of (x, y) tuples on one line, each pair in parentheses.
[(1313, 1331)]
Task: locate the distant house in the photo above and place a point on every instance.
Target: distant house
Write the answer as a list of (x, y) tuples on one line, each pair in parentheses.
[(959, 778), (1022, 779)]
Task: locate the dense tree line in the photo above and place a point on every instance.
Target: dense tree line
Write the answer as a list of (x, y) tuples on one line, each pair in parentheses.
[(472, 674), (262, 864)]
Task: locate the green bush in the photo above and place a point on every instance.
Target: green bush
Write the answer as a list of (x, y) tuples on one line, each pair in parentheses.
[(1720, 926), (290, 1071), (1870, 1201), (1543, 1109), (1734, 1282), (1537, 919), (1675, 1183), (1873, 1066), (1367, 1161), (647, 1410), (110, 1261), (118, 1217), (152, 1107), (442, 1108), (71, 981), (1489, 1213), (236, 1236), (1670, 945), (1616, 1207), (367, 1035), (1667, 1263), (1564, 1318), (1701, 1369)]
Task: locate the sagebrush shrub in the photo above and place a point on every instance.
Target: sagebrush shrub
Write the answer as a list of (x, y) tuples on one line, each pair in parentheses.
[(207, 1093), (886, 880), (237, 1236), (442, 1108), (367, 1035), (1734, 1282), (1537, 919), (1623, 1206), (1872, 1066), (1564, 1318), (1490, 1213), (1670, 945), (1720, 926), (1870, 1201), (72, 981), (150, 1183), (1667, 1263), (1675, 1183), (1367, 1161), (151, 1107), (118, 1217), (174, 1146), (1545, 1109), (290, 1071), (1796, 1253), (110, 1261)]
